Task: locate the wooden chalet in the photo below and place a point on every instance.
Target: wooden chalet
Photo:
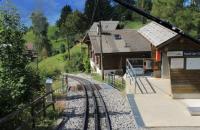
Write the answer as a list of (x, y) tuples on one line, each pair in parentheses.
[(117, 46)]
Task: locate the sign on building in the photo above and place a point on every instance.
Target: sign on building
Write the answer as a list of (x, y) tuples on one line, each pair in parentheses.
[(177, 63), (174, 53)]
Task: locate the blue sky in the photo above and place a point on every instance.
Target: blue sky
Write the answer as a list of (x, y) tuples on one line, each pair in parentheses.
[(51, 8)]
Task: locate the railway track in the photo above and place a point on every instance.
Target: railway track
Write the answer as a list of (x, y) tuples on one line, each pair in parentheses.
[(95, 111)]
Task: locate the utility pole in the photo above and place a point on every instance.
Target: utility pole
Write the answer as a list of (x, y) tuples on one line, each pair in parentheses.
[(101, 48)]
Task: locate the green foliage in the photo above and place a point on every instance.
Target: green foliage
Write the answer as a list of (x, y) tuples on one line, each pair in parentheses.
[(86, 60), (29, 37), (103, 11), (73, 26), (66, 10), (40, 29), (76, 64), (62, 48), (186, 18), (121, 13), (16, 79), (50, 67), (133, 24)]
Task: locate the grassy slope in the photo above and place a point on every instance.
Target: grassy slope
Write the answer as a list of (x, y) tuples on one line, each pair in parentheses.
[(133, 24), (57, 61), (29, 37)]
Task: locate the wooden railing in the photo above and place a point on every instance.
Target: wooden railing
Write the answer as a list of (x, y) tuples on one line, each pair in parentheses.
[(25, 118)]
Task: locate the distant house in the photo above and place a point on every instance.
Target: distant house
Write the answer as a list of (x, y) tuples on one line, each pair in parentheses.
[(117, 46)]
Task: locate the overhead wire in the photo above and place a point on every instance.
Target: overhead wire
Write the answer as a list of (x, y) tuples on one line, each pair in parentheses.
[(155, 19)]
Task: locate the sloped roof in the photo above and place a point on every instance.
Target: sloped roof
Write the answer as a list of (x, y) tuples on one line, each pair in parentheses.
[(131, 41), (106, 26), (156, 33)]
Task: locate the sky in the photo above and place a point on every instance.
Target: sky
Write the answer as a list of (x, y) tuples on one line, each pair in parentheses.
[(50, 8)]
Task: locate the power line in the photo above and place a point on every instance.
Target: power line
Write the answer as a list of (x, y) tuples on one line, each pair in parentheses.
[(157, 20)]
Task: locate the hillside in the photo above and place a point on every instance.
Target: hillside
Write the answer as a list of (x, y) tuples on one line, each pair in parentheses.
[(133, 24), (56, 64), (30, 38)]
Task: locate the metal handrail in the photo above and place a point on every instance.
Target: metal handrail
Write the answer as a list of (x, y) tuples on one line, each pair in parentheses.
[(133, 74)]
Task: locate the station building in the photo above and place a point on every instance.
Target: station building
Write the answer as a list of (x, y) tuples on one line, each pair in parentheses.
[(173, 56)]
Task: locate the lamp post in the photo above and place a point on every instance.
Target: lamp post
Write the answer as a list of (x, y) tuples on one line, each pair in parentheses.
[(99, 32)]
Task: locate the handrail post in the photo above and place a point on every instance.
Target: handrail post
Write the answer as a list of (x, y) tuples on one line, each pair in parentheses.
[(53, 98), (43, 105)]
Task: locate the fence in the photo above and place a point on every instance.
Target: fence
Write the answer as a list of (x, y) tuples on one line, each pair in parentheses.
[(27, 117), (115, 81)]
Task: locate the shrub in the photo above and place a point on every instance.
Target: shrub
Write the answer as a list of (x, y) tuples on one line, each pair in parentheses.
[(62, 48)]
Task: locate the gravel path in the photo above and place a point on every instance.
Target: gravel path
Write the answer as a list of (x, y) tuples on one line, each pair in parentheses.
[(119, 110), (74, 111)]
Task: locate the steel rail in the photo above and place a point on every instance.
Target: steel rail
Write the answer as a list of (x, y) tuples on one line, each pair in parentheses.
[(86, 114), (93, 87)]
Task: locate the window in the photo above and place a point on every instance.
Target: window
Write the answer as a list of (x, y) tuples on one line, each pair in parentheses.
[(117, 37)]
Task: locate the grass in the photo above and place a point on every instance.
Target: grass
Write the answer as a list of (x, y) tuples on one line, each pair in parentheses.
[(133, 24), (57, 63), (56, 43)]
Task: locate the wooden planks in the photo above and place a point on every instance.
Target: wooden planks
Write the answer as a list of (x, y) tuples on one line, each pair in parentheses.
[(185, 81)]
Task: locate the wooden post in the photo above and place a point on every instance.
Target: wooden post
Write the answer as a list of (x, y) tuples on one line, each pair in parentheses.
[(44, 109), (53, 105), (101, 49)]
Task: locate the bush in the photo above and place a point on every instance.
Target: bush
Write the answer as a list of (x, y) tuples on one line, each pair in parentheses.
[(75, 64), (86, 63), (62, 48)]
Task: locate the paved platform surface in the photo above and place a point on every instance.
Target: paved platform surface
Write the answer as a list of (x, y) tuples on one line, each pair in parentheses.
[(160, 111)]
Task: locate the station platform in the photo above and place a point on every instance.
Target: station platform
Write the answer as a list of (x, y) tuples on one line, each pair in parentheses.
[(160, 109)]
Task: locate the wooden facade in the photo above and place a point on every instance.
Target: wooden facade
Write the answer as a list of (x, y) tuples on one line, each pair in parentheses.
[(184, 82), (117, 61)]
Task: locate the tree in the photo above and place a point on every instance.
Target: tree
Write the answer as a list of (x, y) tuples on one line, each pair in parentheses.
[(40, 29), (17, 80), (121, 13), (66, 10), (62, 48), (166, 9), (73, 28), (103, 11), (145, 5), (186, 18)]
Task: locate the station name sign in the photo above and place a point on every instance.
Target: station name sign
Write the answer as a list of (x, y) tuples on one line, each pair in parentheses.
[(183, 53), (191, 53), (175, 53)]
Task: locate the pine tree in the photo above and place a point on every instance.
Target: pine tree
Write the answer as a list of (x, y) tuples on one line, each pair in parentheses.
[(103, 10), (66, 10)]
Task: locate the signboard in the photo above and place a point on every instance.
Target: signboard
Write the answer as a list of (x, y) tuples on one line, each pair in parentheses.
[(193, 63), (191, 53), (177, 63), (175, 53)]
